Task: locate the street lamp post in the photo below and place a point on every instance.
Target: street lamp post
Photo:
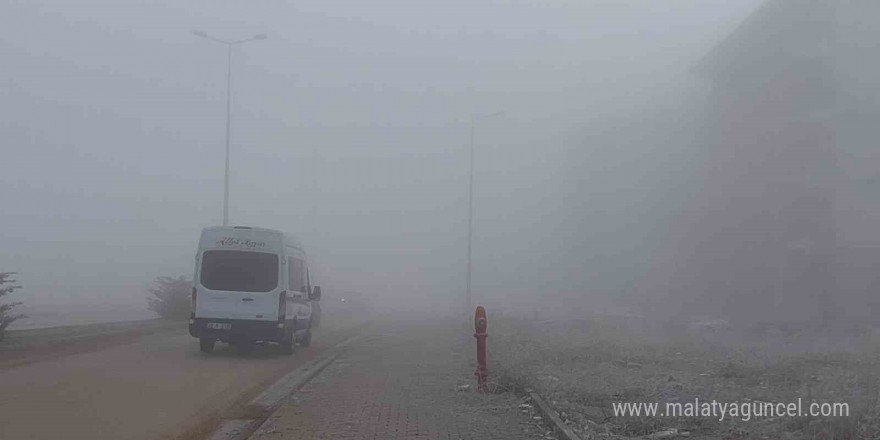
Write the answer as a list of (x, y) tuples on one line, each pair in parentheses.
[(474, 120), (229, 45)]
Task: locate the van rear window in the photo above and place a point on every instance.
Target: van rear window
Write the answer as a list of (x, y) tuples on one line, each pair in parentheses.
[(239, 271)]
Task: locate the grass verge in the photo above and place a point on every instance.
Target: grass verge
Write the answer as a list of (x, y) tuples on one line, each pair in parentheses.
[(584, 366)]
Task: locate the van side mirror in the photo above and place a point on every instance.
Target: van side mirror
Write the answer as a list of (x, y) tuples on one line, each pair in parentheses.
[(316, 293)]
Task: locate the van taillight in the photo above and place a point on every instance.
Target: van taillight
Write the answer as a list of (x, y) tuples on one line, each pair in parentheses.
[(282, 305), (194, 295)]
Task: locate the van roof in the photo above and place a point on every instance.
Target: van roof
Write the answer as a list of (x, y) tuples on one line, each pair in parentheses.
[(230, 228), (289, 240)]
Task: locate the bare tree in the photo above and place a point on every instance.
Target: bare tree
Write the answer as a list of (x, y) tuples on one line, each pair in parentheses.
[(7, 286)]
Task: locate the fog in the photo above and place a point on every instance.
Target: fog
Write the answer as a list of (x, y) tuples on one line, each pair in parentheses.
[(351, 128)]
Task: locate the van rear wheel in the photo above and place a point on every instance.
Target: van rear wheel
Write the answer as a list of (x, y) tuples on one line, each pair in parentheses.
[(288, 342), (206, 345), (307, 339)]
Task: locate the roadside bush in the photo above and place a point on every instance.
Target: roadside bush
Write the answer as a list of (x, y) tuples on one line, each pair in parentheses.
[(7, 286), (171, 297)]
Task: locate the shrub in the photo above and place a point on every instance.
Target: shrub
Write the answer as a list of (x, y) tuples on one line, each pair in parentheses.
[(171, 297)]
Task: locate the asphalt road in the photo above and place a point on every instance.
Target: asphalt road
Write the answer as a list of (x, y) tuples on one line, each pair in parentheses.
[(158, 387)]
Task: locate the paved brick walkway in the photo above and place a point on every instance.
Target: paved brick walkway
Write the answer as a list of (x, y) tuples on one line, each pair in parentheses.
[(400, 382)]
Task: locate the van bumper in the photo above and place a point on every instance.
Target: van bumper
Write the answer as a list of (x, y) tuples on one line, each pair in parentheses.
[(239, 330)]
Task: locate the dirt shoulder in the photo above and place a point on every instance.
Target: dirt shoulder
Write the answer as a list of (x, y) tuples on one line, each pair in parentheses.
[(33, 345)]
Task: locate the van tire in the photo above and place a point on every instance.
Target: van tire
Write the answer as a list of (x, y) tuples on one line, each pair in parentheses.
[(307, 339), (288, 343), (206, 345)]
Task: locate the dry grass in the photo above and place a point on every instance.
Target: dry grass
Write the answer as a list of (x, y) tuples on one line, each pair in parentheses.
[(584, 365)]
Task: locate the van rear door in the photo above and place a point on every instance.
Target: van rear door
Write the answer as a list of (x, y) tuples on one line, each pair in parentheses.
[(238, 284)]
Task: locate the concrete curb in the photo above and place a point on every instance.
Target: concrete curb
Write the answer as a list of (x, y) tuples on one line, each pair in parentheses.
[(26, 339), (273, 397), (21, 352), (550, 414)]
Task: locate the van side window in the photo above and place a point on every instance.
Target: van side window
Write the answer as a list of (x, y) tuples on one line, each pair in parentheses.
[(305, 279), (295, 274)]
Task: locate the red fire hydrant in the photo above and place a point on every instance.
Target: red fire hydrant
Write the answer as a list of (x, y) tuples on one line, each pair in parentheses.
[(481, 327)]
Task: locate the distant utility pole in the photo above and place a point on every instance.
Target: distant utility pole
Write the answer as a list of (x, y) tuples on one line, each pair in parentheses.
[(474, 120), (229, 45)]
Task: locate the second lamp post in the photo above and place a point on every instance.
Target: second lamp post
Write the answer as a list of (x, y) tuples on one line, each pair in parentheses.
[(474, 120)]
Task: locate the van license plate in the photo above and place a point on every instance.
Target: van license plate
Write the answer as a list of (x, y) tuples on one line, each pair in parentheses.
[(219, 325)]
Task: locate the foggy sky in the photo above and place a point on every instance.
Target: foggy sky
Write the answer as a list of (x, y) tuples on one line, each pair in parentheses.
[(350, 129)]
